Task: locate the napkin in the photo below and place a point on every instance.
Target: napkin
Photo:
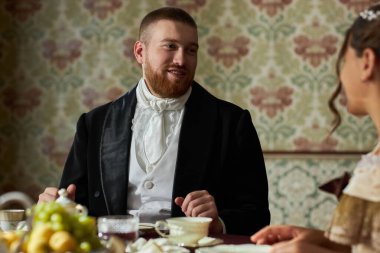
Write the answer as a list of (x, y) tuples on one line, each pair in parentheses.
[(159, 245), (164, 245)]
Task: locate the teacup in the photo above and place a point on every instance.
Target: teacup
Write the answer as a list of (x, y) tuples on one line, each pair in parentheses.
[(10, 219), (184, 230)]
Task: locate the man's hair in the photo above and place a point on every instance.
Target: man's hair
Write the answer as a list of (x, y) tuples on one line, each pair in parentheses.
[(165, 13)]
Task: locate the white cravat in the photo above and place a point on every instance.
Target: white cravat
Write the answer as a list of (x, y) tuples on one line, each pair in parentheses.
[(154, 137), (154, 123)]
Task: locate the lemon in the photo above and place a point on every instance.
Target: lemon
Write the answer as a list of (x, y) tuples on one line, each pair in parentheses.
[(62, 241)]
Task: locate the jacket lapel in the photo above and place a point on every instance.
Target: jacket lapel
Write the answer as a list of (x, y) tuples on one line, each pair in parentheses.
[(115, 152), (195, 144)]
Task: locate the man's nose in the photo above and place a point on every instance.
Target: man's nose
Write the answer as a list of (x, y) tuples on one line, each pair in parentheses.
[(179, 57)]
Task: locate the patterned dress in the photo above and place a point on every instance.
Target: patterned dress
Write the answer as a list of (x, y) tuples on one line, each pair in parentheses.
[(356, 220)]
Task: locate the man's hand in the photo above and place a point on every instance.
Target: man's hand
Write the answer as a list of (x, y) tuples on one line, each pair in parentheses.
[(201, 204), (51, 193)]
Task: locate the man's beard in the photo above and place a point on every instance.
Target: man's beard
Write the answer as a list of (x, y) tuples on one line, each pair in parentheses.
[(164, 87)]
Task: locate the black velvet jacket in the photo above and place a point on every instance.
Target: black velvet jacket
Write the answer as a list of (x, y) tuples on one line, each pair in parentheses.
[(218, 151)]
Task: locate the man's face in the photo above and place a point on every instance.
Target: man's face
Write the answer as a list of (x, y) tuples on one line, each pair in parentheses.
[(168, 57)]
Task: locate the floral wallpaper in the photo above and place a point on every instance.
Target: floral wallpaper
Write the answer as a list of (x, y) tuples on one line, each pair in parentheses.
[(276, 58)]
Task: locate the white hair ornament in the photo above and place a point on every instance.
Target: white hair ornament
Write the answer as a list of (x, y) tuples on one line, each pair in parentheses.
[(369, 15)]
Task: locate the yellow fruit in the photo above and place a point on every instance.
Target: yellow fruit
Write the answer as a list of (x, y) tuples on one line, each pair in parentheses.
[(9, 237), (24, 247), (41, 232), (39, 238), (37, 246), (62, 241), (14, 245)]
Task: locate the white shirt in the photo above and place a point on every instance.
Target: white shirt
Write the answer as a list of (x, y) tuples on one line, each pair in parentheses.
[(156, 126)]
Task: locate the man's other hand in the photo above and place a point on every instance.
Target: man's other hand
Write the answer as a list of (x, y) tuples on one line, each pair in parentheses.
[(51, 193), (201, 204)]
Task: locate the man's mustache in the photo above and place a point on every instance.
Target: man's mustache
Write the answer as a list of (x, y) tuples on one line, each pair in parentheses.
[(176, 67)]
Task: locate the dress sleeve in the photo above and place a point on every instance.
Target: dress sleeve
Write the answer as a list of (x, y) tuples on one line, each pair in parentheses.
[(356, 220)]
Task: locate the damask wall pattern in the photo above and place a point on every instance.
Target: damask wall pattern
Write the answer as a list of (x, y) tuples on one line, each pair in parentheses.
[(61, 58), (294, 195)]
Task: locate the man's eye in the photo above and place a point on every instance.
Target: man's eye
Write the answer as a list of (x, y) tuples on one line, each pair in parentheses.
[(171, 46), (192, 50)]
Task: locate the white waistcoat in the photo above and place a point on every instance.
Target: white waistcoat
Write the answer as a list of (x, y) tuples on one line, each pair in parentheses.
[(150, 193)]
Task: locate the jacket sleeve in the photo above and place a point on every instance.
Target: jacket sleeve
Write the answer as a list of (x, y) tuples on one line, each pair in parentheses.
[(75, 170), (245, 207)]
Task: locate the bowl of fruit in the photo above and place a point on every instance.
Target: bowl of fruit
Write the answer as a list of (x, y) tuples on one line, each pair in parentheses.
[(60, 227), (56, 228)]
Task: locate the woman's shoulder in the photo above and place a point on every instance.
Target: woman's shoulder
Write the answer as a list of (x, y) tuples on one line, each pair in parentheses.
[(365, 182)]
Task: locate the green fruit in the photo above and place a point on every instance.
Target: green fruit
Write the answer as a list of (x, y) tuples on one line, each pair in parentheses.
[(85, 246)]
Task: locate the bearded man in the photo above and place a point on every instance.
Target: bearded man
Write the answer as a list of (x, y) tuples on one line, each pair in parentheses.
[(168, 147)]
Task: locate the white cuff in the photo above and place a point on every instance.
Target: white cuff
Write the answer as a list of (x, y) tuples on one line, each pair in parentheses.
[(223, 225)]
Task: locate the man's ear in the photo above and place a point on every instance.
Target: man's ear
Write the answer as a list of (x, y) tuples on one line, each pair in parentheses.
[(368, 65), (138, 51)]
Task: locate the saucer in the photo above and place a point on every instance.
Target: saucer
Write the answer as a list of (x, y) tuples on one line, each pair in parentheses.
[(143, 225), (204, 242), (147, 230)]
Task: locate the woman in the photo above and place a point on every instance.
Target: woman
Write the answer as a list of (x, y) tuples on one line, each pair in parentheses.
[(355, 226)]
